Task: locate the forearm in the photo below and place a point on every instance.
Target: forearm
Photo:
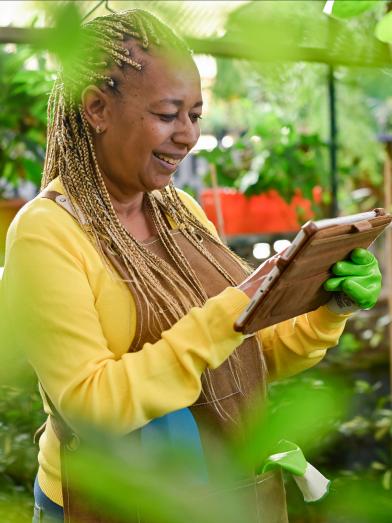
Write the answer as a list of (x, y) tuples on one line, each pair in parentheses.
[(126, 393), (300, 343)]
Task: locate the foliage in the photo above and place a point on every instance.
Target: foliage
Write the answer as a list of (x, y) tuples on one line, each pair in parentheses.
[(308, 409), (293, 144), (384, 29), (297, 94), (295, 97), (349, 9), (364, 342), (65, 18), (353, 450), (295, 31), (370, 428), (167, 473), (23, 98), (272, 155), (21, 415), (366, 434)]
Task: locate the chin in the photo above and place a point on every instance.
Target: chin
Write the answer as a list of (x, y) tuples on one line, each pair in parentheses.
[(160, 182)]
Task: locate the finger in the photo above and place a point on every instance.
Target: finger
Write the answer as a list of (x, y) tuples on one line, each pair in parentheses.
[(347, 268), (361, 256), (333, 284), (364, 296)]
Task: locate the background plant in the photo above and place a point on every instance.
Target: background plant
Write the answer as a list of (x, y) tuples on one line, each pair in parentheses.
[(249, 99), (25, 82), (271, 155)]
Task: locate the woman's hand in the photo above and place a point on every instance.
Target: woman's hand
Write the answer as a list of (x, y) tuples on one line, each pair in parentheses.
[(254, 280), (358, 278)]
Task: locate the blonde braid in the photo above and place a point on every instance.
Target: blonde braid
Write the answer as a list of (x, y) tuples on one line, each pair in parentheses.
[(71, 156)]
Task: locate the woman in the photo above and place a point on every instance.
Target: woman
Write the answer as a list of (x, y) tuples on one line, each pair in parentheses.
[(122, 293)]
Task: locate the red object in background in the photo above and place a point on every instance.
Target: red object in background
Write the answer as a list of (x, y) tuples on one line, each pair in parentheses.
[(233, 208), (267, 212), (302, 207), (317, 194)]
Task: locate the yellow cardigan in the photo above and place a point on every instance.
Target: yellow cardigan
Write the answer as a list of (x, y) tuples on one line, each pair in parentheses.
[(76, 321)]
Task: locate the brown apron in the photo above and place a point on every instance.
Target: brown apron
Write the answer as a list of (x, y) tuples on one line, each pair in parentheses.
[(263, 492)]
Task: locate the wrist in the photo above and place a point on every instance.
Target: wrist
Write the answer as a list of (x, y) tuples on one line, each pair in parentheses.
[(340, 303)]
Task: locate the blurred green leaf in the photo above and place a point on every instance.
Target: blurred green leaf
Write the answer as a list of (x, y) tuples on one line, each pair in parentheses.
[(386, 480), (66, 38), (298, 411), (350, 8), (33, 170), (165, 476), (358, 501), (383, 29)]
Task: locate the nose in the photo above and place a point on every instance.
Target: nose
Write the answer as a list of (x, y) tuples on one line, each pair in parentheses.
[(186, 132)]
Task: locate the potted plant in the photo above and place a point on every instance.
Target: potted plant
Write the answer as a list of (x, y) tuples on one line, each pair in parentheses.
[(24, 86), (267, 181)]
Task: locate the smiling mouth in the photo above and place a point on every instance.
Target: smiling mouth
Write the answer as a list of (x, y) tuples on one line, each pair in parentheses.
[(168, 159)]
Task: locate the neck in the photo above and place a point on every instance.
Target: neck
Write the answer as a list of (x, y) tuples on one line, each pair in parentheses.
[(125, 204)]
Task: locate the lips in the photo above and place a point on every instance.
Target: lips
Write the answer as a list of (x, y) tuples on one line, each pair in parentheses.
[(168, 158)]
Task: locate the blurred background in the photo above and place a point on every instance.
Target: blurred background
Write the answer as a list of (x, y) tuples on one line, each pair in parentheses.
[(297, 124)]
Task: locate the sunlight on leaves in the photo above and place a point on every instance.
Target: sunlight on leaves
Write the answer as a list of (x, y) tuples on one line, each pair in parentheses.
[(384, 29), (350, 8)]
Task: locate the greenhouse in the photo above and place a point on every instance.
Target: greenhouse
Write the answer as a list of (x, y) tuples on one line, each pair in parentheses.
[(196, 261)]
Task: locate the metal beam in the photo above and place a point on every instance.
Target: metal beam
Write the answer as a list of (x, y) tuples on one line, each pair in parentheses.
[(23, 35), (228, 47), (333, 142)]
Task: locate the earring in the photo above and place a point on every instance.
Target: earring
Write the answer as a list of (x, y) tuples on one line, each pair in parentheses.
[(98, 130)]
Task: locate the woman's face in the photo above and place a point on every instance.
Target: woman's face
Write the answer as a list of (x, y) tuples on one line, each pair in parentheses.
[(150, 126)]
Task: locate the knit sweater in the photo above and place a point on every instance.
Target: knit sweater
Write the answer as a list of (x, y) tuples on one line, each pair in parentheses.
[(76, 320)]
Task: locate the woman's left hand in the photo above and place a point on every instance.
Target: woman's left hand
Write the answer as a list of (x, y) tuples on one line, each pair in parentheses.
[(359, 278)]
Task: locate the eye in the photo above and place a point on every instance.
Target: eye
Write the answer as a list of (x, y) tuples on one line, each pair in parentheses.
[(195, 116), (167, 117)]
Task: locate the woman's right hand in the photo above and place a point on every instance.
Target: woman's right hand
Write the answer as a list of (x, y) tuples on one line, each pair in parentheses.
[(254, 280)]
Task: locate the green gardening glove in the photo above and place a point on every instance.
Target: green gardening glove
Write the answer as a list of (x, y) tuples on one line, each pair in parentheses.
[(358, 278)]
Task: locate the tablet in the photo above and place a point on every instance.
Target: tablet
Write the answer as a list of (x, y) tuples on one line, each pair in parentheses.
[(294, 285)]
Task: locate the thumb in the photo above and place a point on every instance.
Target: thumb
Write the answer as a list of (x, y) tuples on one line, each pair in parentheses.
[(361, 256)]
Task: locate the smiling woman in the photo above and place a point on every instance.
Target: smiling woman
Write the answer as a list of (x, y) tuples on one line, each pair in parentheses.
[(147, 128), (118, 286)]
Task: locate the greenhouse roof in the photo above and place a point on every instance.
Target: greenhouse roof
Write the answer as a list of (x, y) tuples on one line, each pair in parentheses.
[(193, 18), (262, 31)]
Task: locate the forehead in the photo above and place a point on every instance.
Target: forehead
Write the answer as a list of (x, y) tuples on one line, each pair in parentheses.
[(164, 75)]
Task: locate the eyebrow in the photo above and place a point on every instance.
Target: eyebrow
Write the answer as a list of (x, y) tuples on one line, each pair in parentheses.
[(178, 103)]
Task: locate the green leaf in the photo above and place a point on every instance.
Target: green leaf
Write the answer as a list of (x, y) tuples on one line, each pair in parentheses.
[(362, 387), (350, 8), (376, 465), (33, 170), (131, 478), (386, 479), (67, 20), (384, 28), (298, 412)]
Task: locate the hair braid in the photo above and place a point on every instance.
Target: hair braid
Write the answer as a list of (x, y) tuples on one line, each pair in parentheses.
[(71, 156)]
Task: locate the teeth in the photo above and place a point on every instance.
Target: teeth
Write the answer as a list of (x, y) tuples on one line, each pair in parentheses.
[(167, 159)]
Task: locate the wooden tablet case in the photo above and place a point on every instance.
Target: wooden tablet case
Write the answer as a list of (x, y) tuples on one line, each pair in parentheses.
[(299, 287)]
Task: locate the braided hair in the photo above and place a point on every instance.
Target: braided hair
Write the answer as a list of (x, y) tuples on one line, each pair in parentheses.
[(71, 156)]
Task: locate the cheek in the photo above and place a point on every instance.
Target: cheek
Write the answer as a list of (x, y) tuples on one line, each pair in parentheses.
[(156, 133), (197, 134)]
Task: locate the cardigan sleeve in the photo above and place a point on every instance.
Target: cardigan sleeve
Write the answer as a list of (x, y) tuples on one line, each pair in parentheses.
[(295, 345), (51, 309)]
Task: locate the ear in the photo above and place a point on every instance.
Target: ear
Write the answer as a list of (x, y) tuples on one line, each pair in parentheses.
[(96, 107)]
